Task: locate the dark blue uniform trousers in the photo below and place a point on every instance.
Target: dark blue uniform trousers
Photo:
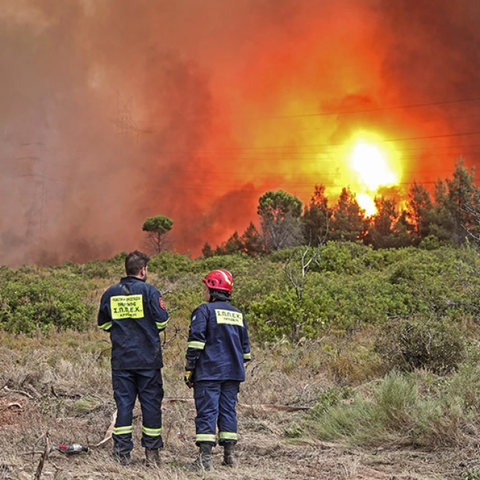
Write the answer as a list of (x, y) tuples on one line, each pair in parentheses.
[(148, 385), (215, 402)]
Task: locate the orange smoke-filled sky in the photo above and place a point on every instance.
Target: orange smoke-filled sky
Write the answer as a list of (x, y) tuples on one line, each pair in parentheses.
[(116, 110)]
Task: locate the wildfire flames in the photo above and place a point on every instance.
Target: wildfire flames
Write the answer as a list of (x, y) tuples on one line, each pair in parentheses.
[(114, 111), (373, 171)]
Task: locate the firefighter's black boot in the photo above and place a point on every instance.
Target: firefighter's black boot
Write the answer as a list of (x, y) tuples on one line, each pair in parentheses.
[(229, 454), (204, 459), (122, 458), (152, 457)]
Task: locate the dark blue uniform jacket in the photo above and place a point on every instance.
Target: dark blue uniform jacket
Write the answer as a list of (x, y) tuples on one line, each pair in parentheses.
[(134, 314), (218, 343)]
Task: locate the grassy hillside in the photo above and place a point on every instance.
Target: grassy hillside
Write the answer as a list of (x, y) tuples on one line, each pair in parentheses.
[(378, 349)]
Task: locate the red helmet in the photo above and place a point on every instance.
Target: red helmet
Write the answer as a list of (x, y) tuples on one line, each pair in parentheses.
[(219, 280)]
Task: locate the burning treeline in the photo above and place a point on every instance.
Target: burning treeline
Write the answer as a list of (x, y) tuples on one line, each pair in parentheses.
[(450, 216), (114, 111)]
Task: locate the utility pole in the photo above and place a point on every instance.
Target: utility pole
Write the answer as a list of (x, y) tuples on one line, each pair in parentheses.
[(35, 167), (125, 126), (35, 214)]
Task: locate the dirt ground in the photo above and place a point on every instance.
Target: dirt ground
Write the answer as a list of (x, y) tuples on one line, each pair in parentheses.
[(28, 419)]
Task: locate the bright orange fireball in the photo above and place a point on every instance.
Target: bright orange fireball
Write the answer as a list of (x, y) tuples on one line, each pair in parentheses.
[(372, 171)]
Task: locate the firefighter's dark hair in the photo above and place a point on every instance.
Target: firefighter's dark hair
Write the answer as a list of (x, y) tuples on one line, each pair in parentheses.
[(135, 261), (222, 295)]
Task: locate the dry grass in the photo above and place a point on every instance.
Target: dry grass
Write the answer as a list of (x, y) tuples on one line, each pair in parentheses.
[(60, 386)]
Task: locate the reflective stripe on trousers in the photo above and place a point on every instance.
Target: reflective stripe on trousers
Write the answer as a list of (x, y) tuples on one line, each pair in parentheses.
[(148, 386), (215, 402)]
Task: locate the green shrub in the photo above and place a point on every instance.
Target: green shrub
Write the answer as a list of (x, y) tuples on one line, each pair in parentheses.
[(37, 300), (331, 397), (395, 413), (280, 314), (430, 243), (436, 345), (348, 422), (395, 400), (294, 430), (239, 264), (467, 379), (471, 475), (170, 265), (349, 287), (337, 257)]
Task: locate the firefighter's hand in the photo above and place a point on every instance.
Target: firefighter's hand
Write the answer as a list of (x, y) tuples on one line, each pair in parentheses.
[(188, 378)]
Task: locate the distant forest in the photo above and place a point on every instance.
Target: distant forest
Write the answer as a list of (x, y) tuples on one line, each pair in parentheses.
[(450, 215)]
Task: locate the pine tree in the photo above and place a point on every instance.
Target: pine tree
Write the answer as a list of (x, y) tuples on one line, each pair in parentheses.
[(348, 221)]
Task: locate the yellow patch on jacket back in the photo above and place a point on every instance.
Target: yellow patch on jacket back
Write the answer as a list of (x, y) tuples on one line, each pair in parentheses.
[(229, 317), (126, 306)]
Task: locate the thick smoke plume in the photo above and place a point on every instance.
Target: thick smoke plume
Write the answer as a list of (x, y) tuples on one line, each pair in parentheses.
[(116, 110)]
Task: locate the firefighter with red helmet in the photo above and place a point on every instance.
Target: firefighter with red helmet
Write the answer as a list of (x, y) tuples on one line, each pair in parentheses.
[(218, 347)]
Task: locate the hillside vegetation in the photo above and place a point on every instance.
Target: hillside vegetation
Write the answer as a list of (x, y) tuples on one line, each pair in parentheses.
[(379, 347)]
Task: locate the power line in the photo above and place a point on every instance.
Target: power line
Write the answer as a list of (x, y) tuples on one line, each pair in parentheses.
[(331, 156), (368, 110), (323, 145), (340, 112)]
